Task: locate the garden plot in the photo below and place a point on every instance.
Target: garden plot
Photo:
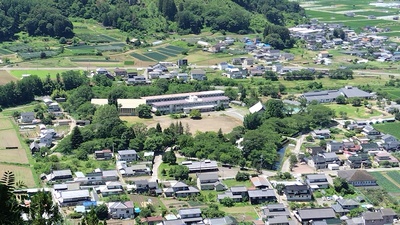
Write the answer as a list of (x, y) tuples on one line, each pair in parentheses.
[(21, 173), (141, 57), (155, 56)]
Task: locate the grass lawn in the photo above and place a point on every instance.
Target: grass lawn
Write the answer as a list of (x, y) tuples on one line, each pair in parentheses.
[(389, 128), (40, 73), (232, 182), (240, 212), (353, 112), (23, 108)]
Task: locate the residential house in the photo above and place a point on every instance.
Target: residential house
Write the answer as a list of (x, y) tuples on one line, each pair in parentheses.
[(248, 62), (136, 80), (337, 41), (182, 62), (227, 220), (321, 133), (334, 146), (348, 204), (27, 117), (180, 189), (71, 198), (237, 193), (111, 188), (298, 193), (370, 132), (317, 161), (183, 76), (275, 210), (260, 196), (357, 178), (323, 54), (104, 154), (223, 66), (209, 181), (316, 181), (60, 175), (174, 222), (54, 107), (379, 217), (147, 186), (202, 166), (390, 142), (236, 61), (385, 156), (190, 216), (286, 56), (121, 210), (127, 155), (280, 220), (330, 157), (152, 220), (133, 170), (120, 72), (315, 150), (198, 74), (359, 160), (259, 182), (304, 216), (339, 209), (367, 147)]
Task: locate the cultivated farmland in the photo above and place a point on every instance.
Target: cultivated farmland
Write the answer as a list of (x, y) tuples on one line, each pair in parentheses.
[(155, 56), (389, 128), (22, 173), (5, 51), (385, 183), (5, 77), (141, 57), (9, 138)]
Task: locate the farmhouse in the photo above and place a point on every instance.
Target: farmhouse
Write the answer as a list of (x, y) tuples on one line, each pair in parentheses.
[(127, 155), (27, 117), (104, 154), (209, 181), (198, 74), (121, 210), (261, 196), (298, 193), (58, 175), (190, 216), (120, 72), (259, 182), (72, 197), (275, 210), (357, 178), (314, 214), (389, 142), (316, 181), (181, 189)]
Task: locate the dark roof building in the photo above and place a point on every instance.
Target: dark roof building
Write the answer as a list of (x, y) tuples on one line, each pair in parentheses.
[(357, 177)]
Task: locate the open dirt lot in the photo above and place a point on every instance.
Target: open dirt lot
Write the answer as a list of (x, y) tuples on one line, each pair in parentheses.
[(212, 121), (9, 138), (13, 156), (5, 77), (300, 169), (5, 124), (21, 173)]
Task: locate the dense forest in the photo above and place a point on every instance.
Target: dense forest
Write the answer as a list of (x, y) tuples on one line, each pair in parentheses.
[(52, 17)]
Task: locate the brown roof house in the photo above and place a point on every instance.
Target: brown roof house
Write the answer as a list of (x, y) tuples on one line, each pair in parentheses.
[(357, 178)]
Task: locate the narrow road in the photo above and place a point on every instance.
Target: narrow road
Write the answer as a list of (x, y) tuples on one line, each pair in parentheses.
[(156, 165), (295, 151)]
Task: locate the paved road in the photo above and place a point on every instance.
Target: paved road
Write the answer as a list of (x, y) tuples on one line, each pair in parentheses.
[(157, 162), (295, 151)]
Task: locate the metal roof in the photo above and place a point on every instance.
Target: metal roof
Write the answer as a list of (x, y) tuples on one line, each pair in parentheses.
[(75, 194)]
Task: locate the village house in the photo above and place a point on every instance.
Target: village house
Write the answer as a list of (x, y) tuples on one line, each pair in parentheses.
[(60, 175), (111, 188), (317, 161), (321, 133), (53, 107), (120, 72), (370, 132), (260, 196), (136, 80), (315, 150), (180, 190), (298, 193), (259, 182), (27, 117), (133, 170), (209, 181), (190, 216), (202, 166), (334, 146), (377, 217), (304, 216), (152, 220), (390, 142), (236, 193), (198, 74), (174, 222), (104, 154), (143, 186), (227, 220), (121, 210), (348, 204), (316, 181), (275, 210), (71, 198), (383, 156), (357, 178), (127, 155), (368, 147)]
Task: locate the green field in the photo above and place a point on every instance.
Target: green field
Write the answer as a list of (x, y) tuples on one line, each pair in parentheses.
[(141, 57), (353, 112), (5, 51), (389, 128), (39, 73), (395, 175), (155, 56), (384, 183)]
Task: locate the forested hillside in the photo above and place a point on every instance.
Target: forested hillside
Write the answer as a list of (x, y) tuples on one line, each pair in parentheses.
[(53, 17)]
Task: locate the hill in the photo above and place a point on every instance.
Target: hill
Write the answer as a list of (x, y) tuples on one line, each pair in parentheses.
[(143, 17)]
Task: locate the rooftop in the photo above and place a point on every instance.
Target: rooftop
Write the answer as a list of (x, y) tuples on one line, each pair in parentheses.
[(182, 95), (189, 211), (127, 152), (130, 103), (261, 193), (352, 92), (259, 181), (355, 175), (187, 101), (99, 101), (75, 194), (316, 213)]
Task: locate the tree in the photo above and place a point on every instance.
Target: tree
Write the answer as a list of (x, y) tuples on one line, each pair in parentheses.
[(341, 99), (180, 172), (293, 160), (231, 93), (397, 116), (309, 138), (76, 138), (322, 143), (102, 212), (43, 210), (242, 176), (144, 111), (158, 128), (42, 55), (195, 114), (212, 211), (342, 187), (91, 217), (62, 40), (274, 108), (169, 157), (280, 188), (355, 101), (10, 209), (228, 202), (252, 121)]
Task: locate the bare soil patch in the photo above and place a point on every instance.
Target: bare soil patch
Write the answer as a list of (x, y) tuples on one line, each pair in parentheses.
[(300, 169), (6, 77), (5, 124), (14, 156), (9, 138)]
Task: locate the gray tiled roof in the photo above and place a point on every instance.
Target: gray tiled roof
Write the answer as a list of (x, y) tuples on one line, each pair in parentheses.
[(316, 176), (189, 211), (372, 216), (238, 189), (58, 173), (127, 152), (316, 213), (352, 92), (75, 194), (261, 193), (208, 176)]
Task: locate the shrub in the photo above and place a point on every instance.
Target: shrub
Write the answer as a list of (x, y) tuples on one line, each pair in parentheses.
[(75, 215), (242, 176)]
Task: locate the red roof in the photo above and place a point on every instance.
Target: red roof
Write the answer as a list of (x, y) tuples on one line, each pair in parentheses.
[(106, 151), (154, 218)]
